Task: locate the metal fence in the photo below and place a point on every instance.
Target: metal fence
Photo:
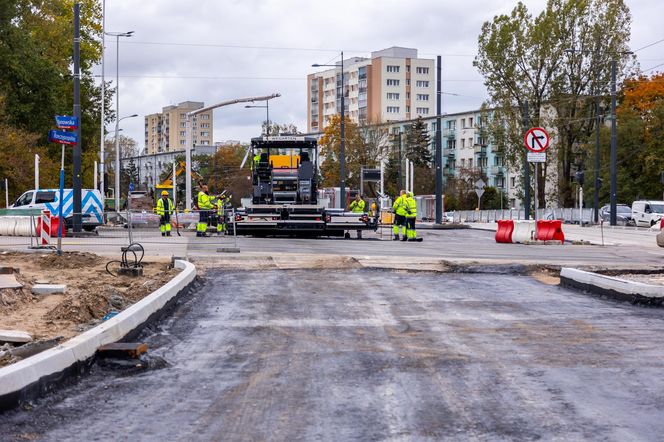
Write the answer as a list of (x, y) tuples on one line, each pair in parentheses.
[(578, 216)]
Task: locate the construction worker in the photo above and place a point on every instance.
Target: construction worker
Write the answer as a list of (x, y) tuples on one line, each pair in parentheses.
[(221, 214), (411, 216), (204, 206), (257, 159), (399, 207), (357, 206), (164, 210)]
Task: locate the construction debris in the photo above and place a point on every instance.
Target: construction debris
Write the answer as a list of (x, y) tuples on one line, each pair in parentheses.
[(47, 289), (15, 336)]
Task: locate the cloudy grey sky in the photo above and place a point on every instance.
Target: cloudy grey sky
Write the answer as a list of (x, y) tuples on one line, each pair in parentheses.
[(214, 50)]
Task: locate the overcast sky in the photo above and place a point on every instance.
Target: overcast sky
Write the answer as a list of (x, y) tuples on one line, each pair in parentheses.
[(215, 50)]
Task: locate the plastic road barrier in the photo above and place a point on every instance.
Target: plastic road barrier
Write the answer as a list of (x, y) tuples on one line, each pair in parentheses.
[(550, 230), (504, 231), (524, 231)]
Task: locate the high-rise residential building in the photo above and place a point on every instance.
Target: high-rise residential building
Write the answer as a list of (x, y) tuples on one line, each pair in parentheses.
[(167, 131), (392, 85)]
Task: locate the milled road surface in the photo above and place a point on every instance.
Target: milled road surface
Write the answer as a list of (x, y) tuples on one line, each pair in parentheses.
[(376, 355)]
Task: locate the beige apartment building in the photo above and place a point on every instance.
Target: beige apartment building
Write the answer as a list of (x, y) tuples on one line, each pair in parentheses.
[(393, 85), (167, 131)]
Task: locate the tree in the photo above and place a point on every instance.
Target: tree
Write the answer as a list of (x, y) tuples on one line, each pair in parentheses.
[(558, 85), (225, 173), (355, 150), (376, 145), (418, 144)]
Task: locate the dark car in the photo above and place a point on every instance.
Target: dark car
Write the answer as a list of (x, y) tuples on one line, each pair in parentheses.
[(623, 214)]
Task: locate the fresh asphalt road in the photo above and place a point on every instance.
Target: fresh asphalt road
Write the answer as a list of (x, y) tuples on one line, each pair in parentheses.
[(455, 245), (375, 355)]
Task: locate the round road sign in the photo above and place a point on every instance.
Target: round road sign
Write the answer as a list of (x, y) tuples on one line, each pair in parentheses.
[(536, 139)]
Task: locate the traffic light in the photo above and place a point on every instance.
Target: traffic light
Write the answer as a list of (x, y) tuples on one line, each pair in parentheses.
[(580, 175)]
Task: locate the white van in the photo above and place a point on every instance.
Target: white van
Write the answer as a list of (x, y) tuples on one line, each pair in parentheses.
[(48, 199), (647, 213)]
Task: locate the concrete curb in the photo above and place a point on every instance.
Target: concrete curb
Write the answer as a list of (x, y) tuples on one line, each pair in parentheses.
[(616, 288), (37, 375)]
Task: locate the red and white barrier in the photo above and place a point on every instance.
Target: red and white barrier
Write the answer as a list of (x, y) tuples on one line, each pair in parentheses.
[(510, 231), (45, 233)]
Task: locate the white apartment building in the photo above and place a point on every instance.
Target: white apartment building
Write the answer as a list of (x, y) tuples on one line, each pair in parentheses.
[(393, 85)]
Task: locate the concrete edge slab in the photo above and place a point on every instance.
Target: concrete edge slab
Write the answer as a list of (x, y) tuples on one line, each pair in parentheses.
[(36, 375), (612, 287)]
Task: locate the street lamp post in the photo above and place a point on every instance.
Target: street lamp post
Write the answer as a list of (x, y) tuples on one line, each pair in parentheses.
[(117, 160), (342, 148), (117, 36), (267, 111)]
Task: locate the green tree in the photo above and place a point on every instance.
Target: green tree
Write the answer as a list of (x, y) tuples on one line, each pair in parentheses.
[(417, 143), (526, 59)]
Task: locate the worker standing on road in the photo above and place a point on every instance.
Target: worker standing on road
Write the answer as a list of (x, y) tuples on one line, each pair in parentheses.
[(399, 207), (204, 206), (221, 214), (357, 206), (411, 216), (164, 210)]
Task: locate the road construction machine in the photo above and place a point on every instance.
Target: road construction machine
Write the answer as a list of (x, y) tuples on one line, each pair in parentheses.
[(285, 198)]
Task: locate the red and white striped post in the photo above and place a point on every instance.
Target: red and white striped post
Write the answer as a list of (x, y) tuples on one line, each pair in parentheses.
[(45, 233)]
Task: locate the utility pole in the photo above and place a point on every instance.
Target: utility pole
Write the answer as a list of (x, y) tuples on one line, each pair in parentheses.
[(401, 186), (614, 147), (526, 165), (77, 114), (342, 150), (102, 147), (439, 146), (597, 178)]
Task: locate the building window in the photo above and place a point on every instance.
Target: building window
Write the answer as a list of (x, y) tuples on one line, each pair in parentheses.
[(392, 68), (408, 68), (205, 134), (205, 117), (513, 183), (470, 121), (183, 142), (407, 95), (407, 81), (463, 162), (423, 97), (392, 109), (423, 110), (183, 115), (422, 70), (408, 109), (183, 124), (183, 133), (422, 83), (463, 123), (392, 82), (470, 163), (392, 96)]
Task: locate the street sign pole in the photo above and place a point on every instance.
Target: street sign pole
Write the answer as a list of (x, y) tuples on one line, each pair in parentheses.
[(61, 200), (77, 184), (536, 197), (526, 165)]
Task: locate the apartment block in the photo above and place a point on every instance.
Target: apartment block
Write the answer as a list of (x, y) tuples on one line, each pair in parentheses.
[(166, 131), (393, 85)]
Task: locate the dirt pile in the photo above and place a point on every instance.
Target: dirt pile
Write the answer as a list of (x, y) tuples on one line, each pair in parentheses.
[(91, 292)]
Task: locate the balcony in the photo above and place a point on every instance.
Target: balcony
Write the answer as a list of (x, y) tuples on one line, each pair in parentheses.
[(449, 153), (448, 171), (497, 170), (449, 133), (480, 150)]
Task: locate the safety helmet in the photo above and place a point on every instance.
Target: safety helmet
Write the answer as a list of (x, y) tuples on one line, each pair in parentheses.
[(164, 193)]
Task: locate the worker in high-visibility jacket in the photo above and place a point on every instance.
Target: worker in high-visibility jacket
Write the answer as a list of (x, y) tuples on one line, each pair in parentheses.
[(221, 214), (204, 206), (357, 206), (164, 210), (411, 216), (399, 207)]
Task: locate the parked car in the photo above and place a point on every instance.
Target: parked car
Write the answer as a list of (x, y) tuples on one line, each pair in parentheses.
[(48, 199), (647, 213), (623, 214)]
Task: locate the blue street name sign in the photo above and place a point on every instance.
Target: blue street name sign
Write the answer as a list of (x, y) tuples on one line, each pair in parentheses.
[(61, 137), (66, 122)]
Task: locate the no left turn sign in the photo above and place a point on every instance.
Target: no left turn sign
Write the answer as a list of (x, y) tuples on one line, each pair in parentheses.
[(536, 139)]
